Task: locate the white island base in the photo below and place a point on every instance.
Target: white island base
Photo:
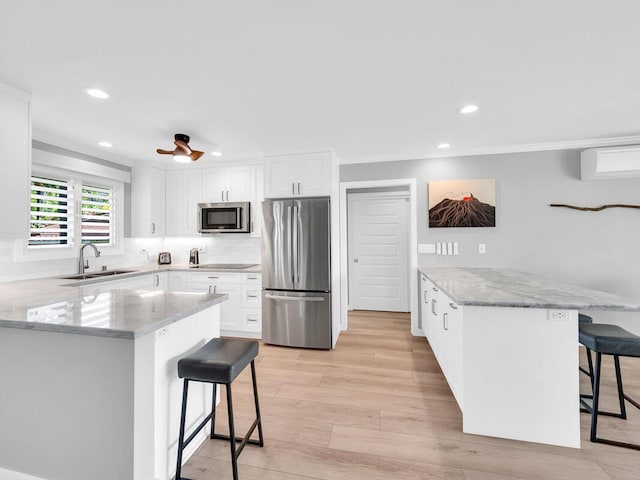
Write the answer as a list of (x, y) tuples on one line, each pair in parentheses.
[(76, 407), (520, 376)]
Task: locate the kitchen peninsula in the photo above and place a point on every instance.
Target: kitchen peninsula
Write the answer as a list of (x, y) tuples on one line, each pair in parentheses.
[(507, 342), (89, 382)]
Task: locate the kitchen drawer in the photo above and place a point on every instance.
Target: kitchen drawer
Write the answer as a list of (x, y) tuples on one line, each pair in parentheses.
[(251, 296), (214, 277), (252, 320), (252, 278)]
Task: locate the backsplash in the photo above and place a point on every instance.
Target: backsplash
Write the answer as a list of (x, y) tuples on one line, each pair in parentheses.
[(213, 249)]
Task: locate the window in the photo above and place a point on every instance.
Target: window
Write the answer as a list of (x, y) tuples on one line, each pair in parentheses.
[(51, 212), (58, 219), (96, 215)]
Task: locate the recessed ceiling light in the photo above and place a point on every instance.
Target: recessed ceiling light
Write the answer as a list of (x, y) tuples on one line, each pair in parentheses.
[(105, 144), (97, 93), (216, 153), (444, 146), (469, 109)]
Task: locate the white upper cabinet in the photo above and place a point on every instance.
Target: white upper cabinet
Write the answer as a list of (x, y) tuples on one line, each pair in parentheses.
[(226, 184), (147, 201), (298, 175), (183, 193), (15, 150)]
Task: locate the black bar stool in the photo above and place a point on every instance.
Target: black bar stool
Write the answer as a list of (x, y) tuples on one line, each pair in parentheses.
[(613, 340), (220, 361)]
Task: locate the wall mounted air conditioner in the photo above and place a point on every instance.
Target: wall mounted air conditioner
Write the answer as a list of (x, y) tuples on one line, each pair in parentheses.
[(610, 162)]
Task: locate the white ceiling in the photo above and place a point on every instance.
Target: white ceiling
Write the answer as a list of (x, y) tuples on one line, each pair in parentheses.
[(374, 79)]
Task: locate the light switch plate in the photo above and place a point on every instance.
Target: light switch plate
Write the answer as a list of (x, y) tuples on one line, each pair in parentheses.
[(426, 248), (450, 248), (455, 248), (439, 248)]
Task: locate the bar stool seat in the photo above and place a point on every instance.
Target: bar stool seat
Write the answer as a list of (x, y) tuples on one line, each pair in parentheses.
[(219, 361), (605, 339)]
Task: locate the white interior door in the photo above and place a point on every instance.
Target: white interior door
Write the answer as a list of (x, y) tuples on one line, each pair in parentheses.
[(378, 251)]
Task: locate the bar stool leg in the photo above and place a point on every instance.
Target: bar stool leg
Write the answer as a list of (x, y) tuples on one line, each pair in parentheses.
[(232, 434), (623, 410), (213, 411), (183, 415), (596, 397), (255, 397)]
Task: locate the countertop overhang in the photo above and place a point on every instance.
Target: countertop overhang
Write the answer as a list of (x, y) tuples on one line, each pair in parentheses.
[(504, 287)]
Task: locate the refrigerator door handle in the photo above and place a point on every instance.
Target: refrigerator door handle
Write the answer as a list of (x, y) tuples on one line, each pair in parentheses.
[(289, 245), (295, 299), (296, 251)]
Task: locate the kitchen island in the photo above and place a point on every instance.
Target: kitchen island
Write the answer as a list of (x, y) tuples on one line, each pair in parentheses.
[(88, 379), (507, 342)]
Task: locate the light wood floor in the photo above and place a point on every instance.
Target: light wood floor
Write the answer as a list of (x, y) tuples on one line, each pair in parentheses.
[(378, 407)]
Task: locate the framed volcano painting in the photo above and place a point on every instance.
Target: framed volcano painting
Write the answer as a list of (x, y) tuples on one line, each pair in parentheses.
[(462, 203)]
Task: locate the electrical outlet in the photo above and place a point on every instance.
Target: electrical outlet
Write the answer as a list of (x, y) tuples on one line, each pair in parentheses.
[(482, 248), (558, 315)]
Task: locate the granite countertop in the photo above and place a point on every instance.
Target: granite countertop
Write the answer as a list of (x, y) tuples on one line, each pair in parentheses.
[(92, 307), (120, 313), (503, 287)]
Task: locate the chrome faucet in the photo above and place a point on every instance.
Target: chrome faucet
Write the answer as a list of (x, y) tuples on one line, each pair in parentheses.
[(81, 265)]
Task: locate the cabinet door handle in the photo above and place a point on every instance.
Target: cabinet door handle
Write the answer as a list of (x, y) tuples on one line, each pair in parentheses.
[(424, 297), (293, 188), (209, 288), (213, 277), (445, 321), (252, 278), (252, 296), (453, 305), (434, 289), (153, 227), (214, 288), (252, 319), (433, 306), (298, 188), (157, 280), (227, 195)]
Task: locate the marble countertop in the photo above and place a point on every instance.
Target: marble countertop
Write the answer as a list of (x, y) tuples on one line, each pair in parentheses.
[(92, 307), (503, 287)]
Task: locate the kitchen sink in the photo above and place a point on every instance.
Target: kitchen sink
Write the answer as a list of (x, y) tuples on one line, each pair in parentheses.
[(86, 276)]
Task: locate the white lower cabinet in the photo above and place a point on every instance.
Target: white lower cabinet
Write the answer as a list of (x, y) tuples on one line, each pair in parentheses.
[(241, 314), (442, 324), (252, 303)]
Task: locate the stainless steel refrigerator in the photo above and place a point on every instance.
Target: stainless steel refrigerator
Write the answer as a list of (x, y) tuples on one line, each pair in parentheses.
[(296, 272)]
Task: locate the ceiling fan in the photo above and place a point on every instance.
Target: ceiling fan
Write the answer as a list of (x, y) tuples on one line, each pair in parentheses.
[(182, 152)]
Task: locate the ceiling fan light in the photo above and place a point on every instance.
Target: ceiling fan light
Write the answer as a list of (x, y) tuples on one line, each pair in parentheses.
[(182, 158)]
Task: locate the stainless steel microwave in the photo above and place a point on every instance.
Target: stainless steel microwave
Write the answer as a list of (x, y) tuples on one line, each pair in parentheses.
[(224, 217)]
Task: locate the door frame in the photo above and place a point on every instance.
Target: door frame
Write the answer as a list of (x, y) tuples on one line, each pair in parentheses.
[(353, 187)]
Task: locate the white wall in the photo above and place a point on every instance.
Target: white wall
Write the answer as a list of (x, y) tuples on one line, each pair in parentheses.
[(600, 250)]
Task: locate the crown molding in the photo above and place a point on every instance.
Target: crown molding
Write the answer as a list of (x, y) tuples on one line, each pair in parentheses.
[(14, 92), (523, 148)]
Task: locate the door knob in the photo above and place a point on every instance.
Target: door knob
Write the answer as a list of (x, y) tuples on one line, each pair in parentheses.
[(355, 260)]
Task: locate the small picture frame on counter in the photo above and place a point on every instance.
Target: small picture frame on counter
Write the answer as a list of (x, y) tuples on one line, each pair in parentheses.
[(164, 258)]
